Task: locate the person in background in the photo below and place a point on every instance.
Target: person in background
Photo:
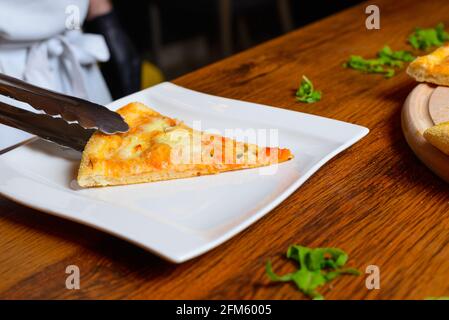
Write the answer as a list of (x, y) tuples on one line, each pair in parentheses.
[(41, 42), (123, 70)]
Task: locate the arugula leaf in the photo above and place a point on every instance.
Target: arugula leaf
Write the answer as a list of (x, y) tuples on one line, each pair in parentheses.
[(306, 93), (316, 267), (437, 298), (425, 38), (385, 58), (368, 66), (394, 58)]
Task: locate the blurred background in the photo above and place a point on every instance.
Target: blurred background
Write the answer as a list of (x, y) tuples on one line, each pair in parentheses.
[(60, 45), (174, 37)]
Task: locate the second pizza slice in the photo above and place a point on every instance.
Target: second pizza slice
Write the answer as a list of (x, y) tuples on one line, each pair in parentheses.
[(432, 68)]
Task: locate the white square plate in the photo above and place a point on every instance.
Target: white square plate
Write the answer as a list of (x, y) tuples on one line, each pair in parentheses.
[(179, 219)]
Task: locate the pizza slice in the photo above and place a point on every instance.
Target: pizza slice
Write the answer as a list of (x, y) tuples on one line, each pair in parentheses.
[(432, 68), (160, 148)]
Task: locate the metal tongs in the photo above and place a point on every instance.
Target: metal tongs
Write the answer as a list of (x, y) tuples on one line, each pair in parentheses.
[(67, 121)]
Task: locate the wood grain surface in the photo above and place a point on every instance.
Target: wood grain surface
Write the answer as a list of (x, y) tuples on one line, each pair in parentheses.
[(376, 200)]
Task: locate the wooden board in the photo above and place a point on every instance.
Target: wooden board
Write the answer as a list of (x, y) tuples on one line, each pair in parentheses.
[(439, 105), (416, 118)]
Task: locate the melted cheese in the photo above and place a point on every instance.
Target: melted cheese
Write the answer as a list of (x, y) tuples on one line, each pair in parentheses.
[(131, 147), (158, 124), (175, 137)]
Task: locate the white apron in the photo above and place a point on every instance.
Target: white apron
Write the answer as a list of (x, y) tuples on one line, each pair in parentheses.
[(41, 44)]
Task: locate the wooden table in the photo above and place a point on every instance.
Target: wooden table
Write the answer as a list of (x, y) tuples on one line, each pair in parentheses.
[(376, 200)]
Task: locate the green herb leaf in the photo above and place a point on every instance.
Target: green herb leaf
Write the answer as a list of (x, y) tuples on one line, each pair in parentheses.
[(306, 93), (394, 58), (385, 62), (425, 38), (316, 268), (437, 298)]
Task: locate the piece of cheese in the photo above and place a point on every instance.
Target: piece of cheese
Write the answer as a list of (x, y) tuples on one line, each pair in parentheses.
[(438, 136)]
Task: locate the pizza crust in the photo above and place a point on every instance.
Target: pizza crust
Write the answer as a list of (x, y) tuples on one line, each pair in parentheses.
[(431, 68), (438, 136)]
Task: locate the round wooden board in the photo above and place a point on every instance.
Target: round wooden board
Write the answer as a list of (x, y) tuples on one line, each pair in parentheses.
[(415, 120)]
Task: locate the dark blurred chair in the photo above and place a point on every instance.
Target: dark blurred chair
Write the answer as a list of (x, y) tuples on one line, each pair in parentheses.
[(228, 9), (123, 70), (229, 12)]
